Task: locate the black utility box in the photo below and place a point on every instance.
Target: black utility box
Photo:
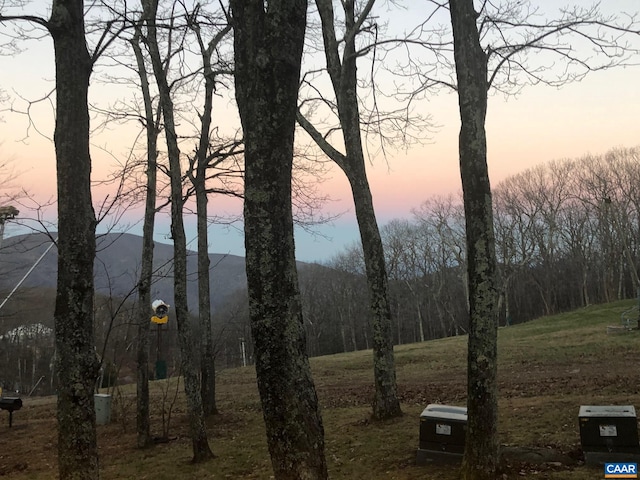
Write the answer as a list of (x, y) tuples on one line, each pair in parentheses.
[(10, 404), (609, 433), (442, 434)]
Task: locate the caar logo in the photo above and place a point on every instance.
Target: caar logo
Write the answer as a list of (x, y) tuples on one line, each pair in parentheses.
[(620, 470)]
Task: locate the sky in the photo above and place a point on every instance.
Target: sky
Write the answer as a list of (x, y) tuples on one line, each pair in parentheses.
[(538, 125)]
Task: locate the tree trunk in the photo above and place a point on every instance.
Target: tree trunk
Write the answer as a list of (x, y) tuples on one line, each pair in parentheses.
[(143, 424), (386, 403), (344, 80), (481, 449), (197, 427), (77, 365), (268, 52), (207, 359)]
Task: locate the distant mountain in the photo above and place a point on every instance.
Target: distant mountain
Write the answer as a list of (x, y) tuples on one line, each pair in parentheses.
[(117, 268)]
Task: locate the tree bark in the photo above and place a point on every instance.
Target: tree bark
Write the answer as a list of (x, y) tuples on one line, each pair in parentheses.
[(76, 362), (385, 403), (481, 448), (207, 357), (197, 427), (143, 423), (268, 41)]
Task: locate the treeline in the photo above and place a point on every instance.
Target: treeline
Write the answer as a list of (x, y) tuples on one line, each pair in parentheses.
[(567, 235)]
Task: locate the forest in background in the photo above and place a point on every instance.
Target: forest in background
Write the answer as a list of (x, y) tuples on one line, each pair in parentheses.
[(567, 236)]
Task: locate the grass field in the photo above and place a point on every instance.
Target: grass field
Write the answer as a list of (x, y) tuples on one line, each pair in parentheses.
[(547, 369)]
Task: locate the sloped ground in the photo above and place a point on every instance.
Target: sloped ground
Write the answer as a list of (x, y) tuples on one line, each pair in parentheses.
[(548, 368)]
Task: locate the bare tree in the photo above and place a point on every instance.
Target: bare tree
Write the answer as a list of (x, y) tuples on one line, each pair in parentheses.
[(207, 157), (623, 165), (513, 223), (481, 449), (342, 72), (441, 220), (200, 444), (152, 130), (268, 42), (77, 365)]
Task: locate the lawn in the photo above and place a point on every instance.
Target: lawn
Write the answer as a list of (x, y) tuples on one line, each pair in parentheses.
[(547, 369)]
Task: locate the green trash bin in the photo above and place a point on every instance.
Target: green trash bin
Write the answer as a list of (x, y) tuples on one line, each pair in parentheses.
[(161, 369)]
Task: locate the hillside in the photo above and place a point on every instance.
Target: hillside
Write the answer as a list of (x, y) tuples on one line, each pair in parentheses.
[(117, 268), (548, 368)]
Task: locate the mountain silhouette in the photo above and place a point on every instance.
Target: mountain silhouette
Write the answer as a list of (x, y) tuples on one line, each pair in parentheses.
[(117, 268)]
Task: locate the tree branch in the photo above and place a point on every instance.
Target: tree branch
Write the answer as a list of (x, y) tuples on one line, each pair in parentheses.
[(322, 142)]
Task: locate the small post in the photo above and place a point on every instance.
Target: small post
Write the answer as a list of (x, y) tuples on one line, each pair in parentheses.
[(243, 352), (160, 318)]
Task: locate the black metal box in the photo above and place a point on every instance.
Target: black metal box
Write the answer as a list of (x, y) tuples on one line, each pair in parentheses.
[(442, 433), (608, 432)]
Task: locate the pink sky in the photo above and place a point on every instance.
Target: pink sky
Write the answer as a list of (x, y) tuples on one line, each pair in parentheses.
[(540, 125)]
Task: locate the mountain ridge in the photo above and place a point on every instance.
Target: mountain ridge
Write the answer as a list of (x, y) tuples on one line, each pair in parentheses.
[(117, 267)]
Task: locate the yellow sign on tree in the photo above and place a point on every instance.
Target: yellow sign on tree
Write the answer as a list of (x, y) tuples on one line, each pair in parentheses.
[(160, 320)]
